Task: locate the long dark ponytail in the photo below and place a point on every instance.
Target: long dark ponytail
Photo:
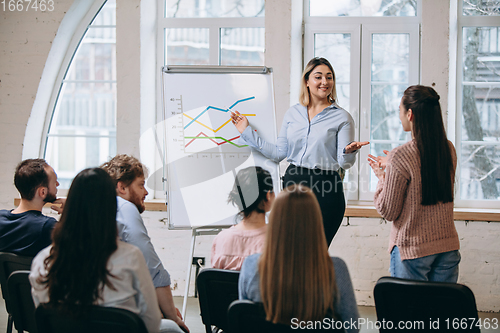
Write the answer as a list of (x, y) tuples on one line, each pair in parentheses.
[(437, 171)]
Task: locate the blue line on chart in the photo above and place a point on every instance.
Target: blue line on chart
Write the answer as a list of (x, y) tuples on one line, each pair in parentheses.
[(218, 109)]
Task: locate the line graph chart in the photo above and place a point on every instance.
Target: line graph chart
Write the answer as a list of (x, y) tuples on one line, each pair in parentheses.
[(205, 128), (203, 149), (219, 109)]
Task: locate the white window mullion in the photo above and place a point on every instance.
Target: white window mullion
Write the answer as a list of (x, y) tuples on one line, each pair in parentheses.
[(368, 31), (352, 106), (214, 45)]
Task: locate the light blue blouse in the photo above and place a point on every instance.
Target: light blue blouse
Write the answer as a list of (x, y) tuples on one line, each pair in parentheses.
[(318, 144), (131, 229)]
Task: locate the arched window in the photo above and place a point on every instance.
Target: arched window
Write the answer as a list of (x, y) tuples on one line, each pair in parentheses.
[(82, 130)]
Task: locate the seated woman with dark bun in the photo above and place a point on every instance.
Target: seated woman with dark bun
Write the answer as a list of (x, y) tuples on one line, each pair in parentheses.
[(86, 264), (294, 277), (253, 194)]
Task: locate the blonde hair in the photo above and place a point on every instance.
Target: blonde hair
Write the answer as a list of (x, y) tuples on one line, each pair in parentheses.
[(304, 97), (297, 278)]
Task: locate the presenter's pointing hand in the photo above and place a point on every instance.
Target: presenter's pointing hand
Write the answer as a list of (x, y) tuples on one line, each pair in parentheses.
[(239, 121)]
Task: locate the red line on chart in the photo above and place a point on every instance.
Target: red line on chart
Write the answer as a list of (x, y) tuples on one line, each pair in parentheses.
[(218, 144)]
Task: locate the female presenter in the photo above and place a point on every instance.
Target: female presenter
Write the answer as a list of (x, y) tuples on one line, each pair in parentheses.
[(317, 138)]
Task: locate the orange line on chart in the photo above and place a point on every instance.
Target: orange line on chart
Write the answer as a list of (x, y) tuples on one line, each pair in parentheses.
[(216, 130)]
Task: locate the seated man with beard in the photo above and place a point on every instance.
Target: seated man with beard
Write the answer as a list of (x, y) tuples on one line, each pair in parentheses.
[(25, 230), (129, 175)]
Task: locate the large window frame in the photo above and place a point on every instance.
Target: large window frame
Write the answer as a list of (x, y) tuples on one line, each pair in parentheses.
[(361, 29), (214, 25), (458, 22), (72, 48)]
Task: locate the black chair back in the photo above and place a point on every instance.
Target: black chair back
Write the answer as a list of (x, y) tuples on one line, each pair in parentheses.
[(428, 306), (9, 263), (99, 320), (248, 317), (23, 308), (217, 288)]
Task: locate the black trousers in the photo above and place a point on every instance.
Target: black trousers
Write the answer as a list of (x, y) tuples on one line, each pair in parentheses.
[(328, 188)]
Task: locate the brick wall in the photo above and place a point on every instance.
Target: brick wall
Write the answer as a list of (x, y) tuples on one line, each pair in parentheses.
[(362, 243), (25, 41)]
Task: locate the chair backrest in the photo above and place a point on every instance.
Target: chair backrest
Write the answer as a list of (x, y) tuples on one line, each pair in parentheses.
[(217, 288), (99, 320), (22, 306), (9, 263), (426, 305), (248, 317)]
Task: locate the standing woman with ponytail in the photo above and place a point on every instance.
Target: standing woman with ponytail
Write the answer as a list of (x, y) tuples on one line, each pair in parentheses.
[(415, 191)]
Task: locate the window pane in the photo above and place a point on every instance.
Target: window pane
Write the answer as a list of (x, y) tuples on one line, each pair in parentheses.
[(82, 126), (481, 7), (336, 47), (389, 75), (385, 123), (107, 14), (480, 177), (187, 46), (377, 149), (481, 54), (479, 172), (82, 131), (390, 57), (215, 8), (242, 46), (481, 113), (95, 58), (362, 8), (389, 79)]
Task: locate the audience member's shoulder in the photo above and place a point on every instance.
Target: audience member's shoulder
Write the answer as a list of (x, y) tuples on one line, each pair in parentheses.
[(49, 219), (128, 253), (127, 247), (251, 260), (38, 262), (339, 263), (410, 146)]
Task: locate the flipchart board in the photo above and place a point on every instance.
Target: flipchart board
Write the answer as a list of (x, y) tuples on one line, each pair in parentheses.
[(203, 153)]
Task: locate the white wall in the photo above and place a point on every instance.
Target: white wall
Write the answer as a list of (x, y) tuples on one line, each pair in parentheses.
[(26, 38), (25, 41)]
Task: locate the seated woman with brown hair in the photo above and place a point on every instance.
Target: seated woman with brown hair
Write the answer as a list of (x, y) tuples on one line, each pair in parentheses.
[(86, 264), (295, 278)]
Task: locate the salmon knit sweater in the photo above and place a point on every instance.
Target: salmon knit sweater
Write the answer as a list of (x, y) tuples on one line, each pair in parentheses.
[(417, 230)]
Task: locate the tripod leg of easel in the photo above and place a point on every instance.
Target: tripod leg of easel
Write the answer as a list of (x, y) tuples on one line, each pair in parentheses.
[(188, 277)]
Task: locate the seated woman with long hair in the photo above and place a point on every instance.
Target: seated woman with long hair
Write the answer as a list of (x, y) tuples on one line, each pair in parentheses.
[(295, 278), (86, 264), (253, 194)]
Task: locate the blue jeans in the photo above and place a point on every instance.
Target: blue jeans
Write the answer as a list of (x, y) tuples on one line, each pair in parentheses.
[(441, 267)]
